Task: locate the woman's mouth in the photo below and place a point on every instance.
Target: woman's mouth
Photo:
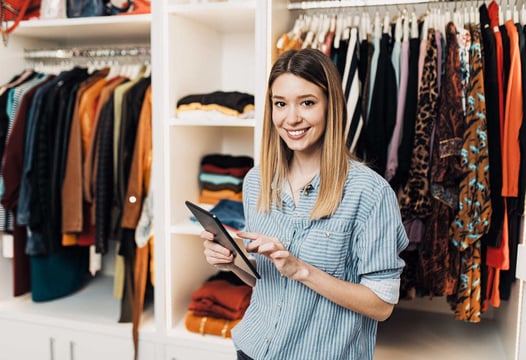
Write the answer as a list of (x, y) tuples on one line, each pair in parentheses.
[(296, 133)]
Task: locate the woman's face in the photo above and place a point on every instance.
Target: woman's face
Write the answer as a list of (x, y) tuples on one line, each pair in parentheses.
[(299, 110)]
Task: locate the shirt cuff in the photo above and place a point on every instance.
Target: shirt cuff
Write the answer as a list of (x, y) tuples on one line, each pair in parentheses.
[(386, 289)]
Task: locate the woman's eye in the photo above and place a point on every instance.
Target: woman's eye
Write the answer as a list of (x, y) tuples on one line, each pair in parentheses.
[(308, 103), (279, 104)]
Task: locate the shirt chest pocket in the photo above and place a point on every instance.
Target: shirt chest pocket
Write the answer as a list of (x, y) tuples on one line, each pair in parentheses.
[(327, 250)]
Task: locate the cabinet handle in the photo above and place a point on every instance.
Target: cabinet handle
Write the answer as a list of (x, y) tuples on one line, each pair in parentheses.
[(52, 348), (72, 350)]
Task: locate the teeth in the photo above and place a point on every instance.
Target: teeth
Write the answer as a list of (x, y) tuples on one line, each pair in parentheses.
[(296, 132)]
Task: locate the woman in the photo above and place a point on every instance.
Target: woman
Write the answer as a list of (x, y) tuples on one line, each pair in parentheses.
[(325, 229)]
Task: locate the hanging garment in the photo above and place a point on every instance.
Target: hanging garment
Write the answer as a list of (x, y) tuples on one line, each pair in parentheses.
[(498, 258), (445, 172), (492, 95), (104, 177), (515, 205), (414, 196), (382, 116), (392, 156), (354, 126), (12, 170), (409, 117), (415, 201), (73, 219), (91, 161), (513, 118), (472, 220)]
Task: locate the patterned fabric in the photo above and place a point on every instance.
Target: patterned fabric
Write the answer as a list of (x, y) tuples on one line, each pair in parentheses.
[(472, 220), (464, 44), (415, 198), (438, 258)]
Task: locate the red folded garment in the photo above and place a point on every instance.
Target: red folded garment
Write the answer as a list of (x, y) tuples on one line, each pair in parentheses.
[(239, 172)]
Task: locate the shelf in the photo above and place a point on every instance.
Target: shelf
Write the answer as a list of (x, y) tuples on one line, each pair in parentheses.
[(413, 334), (92, 308), (123, 28), (234, 122), (226, 17), (217, 343), (186, 228)]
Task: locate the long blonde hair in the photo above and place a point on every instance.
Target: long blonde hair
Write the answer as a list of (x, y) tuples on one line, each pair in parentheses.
[(317, 68)]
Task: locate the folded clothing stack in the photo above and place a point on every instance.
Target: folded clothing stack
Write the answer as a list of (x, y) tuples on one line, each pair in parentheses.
[(218, 305), (221, 177), (229, 212), (217, 104)]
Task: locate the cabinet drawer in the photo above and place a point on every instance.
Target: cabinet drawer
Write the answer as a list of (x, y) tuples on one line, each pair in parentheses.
[(24, 341), (174, 352)]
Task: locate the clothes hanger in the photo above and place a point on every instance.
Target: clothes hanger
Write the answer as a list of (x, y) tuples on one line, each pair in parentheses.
[(405, 26), (515, 14), (364, 30), (425, 27), (338, 32), (414, 26), (386, 26), (377, 27), (310, 34)]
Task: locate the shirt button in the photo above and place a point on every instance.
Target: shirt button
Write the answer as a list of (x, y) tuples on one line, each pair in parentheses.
[(267, 340), (132, 199)]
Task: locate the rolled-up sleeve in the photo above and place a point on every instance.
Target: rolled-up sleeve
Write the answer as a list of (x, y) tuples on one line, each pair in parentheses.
[(379, 246)]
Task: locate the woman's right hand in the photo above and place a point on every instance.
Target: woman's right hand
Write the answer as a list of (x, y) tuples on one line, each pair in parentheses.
[(215, 253)]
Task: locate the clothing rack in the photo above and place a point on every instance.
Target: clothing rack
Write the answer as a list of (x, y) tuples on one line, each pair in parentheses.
[(330, 4)]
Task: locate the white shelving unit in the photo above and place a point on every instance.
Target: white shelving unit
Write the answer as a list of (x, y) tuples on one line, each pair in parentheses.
[(196, 47), (85, 324), (201, 48)]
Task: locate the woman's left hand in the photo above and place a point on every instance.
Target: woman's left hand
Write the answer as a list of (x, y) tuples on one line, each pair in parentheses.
[(286, 263)]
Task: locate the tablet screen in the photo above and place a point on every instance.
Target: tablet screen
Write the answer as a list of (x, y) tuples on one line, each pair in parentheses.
[(211, 223)]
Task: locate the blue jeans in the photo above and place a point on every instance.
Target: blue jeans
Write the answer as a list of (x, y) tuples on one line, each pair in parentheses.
[(242, 356)]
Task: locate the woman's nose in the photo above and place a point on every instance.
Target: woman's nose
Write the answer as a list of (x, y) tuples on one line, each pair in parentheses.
[(294, 115)]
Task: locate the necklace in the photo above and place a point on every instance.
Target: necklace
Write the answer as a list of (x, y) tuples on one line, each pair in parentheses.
[(303, 189)]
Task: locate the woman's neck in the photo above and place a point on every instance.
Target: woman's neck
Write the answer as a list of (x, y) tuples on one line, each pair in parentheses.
[(302, 170)]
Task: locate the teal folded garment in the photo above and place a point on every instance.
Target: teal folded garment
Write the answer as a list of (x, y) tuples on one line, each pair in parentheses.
[(218, 179)]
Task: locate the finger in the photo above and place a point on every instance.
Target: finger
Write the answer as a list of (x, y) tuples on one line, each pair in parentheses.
[(216, 247), (267, 248), (280, 255), (206, 235), (215, 257), (248, 235)]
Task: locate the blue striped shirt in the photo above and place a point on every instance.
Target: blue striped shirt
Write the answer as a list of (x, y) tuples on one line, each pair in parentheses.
[(360, 243)]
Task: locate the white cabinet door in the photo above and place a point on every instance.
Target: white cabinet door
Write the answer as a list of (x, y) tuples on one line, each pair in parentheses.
[(79, 345), (26, 341)]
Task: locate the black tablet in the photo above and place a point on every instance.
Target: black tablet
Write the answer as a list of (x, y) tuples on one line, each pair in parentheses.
[(211, 223)]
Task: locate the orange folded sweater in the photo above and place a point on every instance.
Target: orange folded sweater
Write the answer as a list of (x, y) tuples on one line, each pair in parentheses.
[(209, 325)]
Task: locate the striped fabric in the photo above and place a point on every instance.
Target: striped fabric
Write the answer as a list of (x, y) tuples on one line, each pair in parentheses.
[(351, 87), (360, 243)]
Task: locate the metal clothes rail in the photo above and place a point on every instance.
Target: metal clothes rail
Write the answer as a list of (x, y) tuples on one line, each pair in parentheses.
[(87, 53), (330, 4)]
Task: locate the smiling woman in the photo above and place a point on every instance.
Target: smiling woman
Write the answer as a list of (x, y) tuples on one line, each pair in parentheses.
[(325, 230)]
